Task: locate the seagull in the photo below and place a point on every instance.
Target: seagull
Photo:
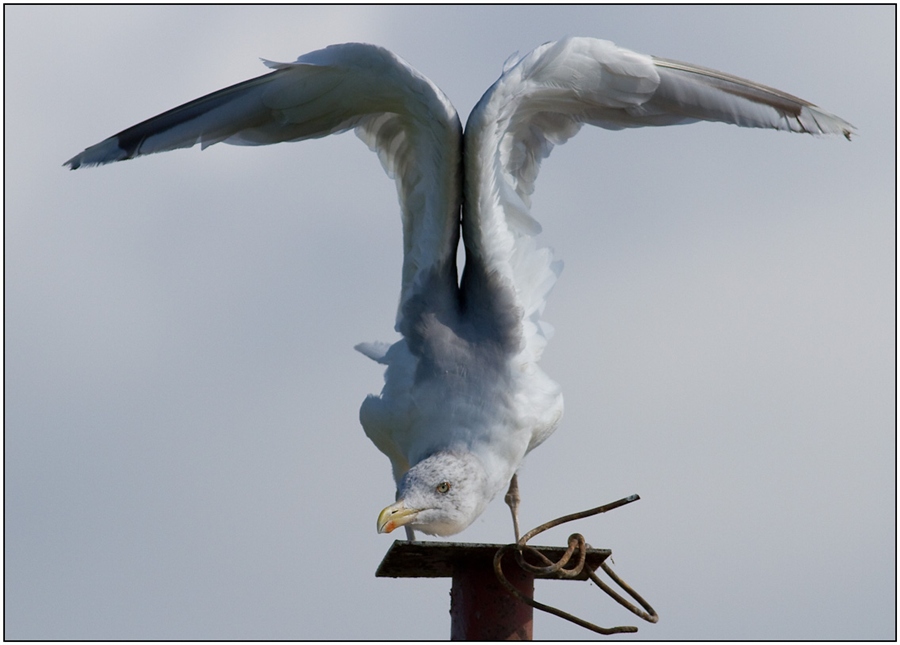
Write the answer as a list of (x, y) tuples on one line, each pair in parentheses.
[(464, 399)]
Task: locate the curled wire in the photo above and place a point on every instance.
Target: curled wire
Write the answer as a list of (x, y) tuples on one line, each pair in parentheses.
[(559, 569)]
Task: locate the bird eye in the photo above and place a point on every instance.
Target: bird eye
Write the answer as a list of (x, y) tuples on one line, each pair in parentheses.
[(443, 487)]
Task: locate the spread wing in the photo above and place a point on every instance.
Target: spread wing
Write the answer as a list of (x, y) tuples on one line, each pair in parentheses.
[(541, 101), (399, 114)]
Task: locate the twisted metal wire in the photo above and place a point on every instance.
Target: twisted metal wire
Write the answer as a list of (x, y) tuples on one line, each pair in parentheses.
[(559, 569)]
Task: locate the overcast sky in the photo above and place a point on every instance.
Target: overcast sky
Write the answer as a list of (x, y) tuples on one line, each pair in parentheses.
[(183, 454)]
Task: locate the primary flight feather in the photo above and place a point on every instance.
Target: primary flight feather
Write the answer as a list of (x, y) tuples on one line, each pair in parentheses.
[(464, 399)]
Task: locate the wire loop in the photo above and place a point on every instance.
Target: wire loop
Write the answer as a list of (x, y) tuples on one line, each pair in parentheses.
[(559, 569)]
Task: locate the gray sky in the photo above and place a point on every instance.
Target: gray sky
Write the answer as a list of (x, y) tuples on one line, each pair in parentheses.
[(183, 454)]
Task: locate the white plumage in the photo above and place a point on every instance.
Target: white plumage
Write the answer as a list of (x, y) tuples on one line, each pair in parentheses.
[(464, 399)]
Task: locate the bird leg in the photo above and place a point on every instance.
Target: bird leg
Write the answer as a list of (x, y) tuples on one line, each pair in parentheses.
[(410, 534), (512, 500)]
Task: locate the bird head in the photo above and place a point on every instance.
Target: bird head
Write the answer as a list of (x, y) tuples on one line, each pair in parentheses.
[(440, 495)]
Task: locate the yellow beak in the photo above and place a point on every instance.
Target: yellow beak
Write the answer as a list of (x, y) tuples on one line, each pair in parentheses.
[(395, 516)]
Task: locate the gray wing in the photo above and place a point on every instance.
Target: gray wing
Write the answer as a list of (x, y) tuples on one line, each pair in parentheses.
[(399, 114), (541, 101)]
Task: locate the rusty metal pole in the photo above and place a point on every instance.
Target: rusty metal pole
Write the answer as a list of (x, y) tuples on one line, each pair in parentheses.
[(482, 610), (480, 607)]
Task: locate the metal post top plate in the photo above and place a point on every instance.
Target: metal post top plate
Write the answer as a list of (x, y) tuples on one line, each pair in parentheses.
[(436, 559)]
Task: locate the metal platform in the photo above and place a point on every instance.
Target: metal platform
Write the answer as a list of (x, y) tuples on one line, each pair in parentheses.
[(437, 559)]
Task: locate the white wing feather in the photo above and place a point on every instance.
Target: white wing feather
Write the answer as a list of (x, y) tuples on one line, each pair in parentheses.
[(543, 99), (396, 111)]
